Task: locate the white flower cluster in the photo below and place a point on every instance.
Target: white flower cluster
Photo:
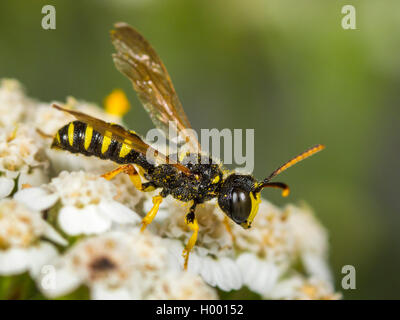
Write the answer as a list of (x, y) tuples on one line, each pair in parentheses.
[(22, 159), (124, 264), (263, 258), (69, 228), (22, 235)]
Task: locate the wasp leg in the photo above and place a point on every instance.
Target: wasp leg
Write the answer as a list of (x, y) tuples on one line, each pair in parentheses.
[(152, 213), (229, 228), (191, 221), (43, 134), (129, 170), (148, 186), (280, 185)]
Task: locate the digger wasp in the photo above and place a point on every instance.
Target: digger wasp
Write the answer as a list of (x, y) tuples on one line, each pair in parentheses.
[(195, 178)]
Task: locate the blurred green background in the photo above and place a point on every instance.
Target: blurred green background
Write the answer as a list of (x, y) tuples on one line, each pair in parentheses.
[(285, 68)]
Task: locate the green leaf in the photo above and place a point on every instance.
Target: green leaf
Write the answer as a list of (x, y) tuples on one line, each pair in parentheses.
[(16, 180), (17, 287), (81, 293)]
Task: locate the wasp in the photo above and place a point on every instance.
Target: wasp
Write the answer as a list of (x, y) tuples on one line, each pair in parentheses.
[(195, 178)]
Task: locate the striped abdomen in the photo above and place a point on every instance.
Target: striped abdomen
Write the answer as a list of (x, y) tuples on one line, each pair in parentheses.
[(79, 137)]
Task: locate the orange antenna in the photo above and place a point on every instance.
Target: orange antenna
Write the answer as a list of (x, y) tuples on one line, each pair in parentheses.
[(308, 153)]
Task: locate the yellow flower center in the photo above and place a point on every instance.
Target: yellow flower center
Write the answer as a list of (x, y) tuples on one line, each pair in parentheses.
[(116, 103)]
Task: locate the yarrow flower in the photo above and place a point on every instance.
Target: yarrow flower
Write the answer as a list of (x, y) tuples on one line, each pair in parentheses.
[(311, 241), (58, 214), (124, 264), (298, 287), (213, 257), (22, 159), (23, 235), (83, 203), (14, 104), (228, 256), (279, 239)]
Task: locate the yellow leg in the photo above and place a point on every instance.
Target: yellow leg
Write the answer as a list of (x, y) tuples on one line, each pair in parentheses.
[(228, 228), (152, 213), (43, 134), (130, 171), (193, 225)]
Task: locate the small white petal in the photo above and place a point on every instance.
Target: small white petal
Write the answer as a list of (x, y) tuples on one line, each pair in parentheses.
[(14, 261), (268, 276), (175, 260), (87, 220), (148, 204), (101, 292), (18, 260), (36, 198), (6, 186), (220, 279), (217, 274), (223, 272), (287, 288), (117, 212), (259, 275), (35, 178), (194, 264), (248, 267), (207, 271), (231, 271), (317, 266), (39, 256), (65, 281)]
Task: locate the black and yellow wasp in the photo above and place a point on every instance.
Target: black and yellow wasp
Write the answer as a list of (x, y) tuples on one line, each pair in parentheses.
[(195, 178)]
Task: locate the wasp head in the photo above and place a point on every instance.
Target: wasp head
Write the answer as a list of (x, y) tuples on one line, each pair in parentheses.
[(239, 200), (239, 195)]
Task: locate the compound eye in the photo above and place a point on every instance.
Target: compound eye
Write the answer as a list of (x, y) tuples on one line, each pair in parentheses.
[(240, 205)]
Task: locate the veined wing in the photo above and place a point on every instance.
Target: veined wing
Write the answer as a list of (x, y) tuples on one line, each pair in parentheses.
[(137, 60)]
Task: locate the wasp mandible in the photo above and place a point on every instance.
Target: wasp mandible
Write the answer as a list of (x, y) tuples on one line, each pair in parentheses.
[(196, 178)]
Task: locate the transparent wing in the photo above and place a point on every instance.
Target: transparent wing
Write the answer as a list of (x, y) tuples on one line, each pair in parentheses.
[(137, 60)]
